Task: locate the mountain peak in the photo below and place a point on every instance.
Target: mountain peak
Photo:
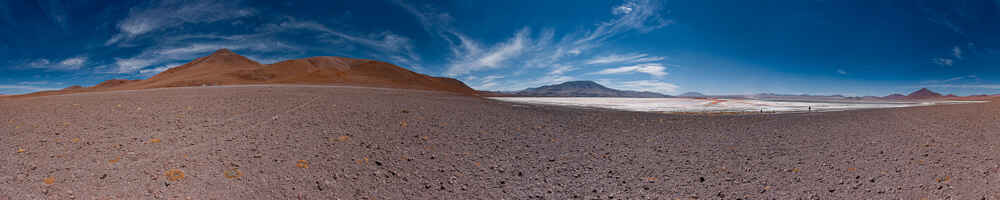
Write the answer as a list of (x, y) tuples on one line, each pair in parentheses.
[(224, 52), (583, 89), (923, 93), (581, 84)]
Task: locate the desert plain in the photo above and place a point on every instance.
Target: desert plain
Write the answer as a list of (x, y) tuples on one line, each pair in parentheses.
[(344, 142)]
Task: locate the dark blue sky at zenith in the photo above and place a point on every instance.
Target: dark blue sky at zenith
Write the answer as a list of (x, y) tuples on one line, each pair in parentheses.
[(717, 47)]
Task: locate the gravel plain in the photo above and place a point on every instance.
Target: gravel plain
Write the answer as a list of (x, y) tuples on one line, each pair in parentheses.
[(323, 142)]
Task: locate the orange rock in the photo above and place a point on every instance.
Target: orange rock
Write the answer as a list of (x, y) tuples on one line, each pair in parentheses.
[(49, 181), (343, 138), (174, 175), (75, 140), (302, 164), (113, 161), (154, 140), (232, 173), (20, 150)]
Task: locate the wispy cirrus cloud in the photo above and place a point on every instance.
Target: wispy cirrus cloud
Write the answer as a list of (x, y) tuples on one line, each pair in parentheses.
[(965, 78), (957, 52), (157, 70), (68, 64), (535, 50), (943, 61), (627, 58), (165, 53), (21, 89), (55, 11), (654, 69), (966, 86), (641, 85), (387, 45), (166, 14)]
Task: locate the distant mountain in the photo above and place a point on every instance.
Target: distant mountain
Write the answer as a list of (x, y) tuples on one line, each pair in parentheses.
[(895, 96), (692, 94), (924, 93), (583, 89)]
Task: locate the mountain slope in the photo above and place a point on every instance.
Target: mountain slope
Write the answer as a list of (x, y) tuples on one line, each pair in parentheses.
[(582, 89), (225, 67)]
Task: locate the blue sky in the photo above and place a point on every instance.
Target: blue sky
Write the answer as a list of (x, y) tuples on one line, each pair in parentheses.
[(715, 47)]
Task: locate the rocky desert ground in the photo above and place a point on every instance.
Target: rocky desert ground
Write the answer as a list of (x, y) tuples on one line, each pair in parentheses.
[(327, 142)]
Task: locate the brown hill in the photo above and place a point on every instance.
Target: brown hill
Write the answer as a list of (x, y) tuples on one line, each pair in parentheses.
[(923, 93), (225, 67)]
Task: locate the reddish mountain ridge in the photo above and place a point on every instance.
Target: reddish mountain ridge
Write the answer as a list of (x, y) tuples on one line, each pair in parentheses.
[(225, 67), (923, 93)]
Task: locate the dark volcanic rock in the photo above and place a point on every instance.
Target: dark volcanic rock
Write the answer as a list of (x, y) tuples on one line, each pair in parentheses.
[(583, 89)]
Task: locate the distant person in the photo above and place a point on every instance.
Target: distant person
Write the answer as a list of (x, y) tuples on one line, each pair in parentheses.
[(810, 108)]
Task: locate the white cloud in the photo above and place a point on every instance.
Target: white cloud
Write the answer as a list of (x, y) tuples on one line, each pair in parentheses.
[(39, 63), (841, 72), (73, 63), (957, 52), (943, 61), (542, 51), (492, 58), (396, 48), (491, 78), (34, 83), (129, 65), (953, 79), (622, 9), (971, 86), (654, 69), (20, 89), (487, 83), (157, 70), (561, 69), (645, 85), (173, 13), (628, 58), (642, 15)]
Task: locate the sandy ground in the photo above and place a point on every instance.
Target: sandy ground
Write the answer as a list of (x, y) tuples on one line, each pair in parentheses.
[(289, 142)]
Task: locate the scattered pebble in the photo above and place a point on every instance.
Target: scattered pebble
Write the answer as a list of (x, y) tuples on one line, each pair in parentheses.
[(302, 164), (174, 175), (232, 173)]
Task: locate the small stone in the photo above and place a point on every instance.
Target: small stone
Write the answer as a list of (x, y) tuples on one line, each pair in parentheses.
[(154, 140), (174, 174), (232, 173), (49, 181), (302, 164)]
